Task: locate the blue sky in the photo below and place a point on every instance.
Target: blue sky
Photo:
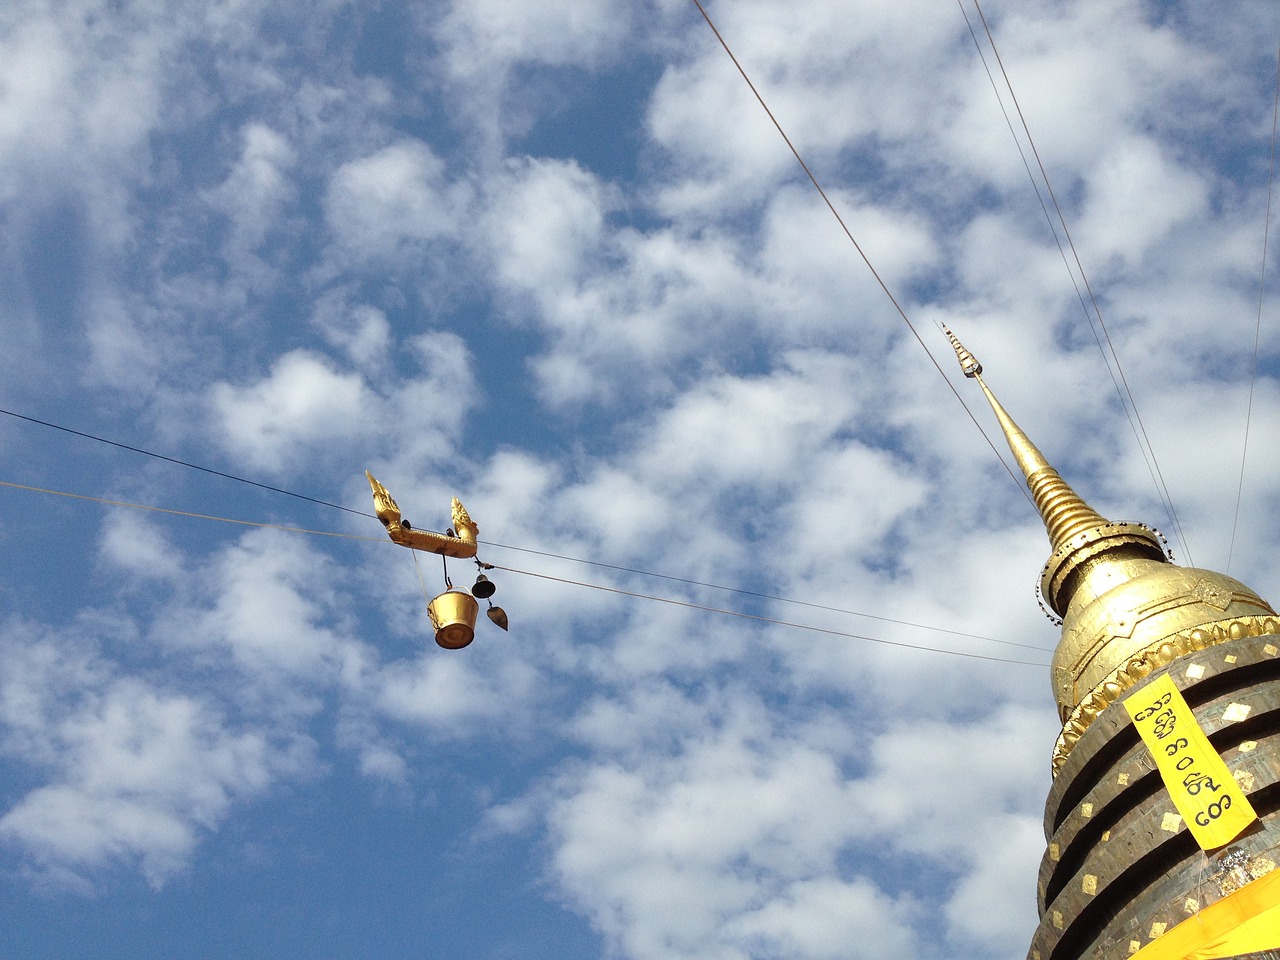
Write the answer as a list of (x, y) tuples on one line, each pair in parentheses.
[(553, 259)]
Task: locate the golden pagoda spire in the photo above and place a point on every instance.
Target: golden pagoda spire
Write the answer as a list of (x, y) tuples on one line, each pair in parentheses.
[(1065, 515), (1125, 608)]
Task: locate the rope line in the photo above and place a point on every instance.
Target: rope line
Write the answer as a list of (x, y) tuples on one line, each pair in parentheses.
[(184, 463), (422, 581), (770, 620), (857, 246), (1044, 208), (1257, 330), (187, 513), (1144, 444), (766, 596), (595, 563), (643, 596)]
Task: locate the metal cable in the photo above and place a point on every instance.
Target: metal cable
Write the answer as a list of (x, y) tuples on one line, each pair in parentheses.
[(184, 463), (1257, 330), (382, 540), (765, 596), (857, 246), (1144, 443), (771, 620), (186, 513)]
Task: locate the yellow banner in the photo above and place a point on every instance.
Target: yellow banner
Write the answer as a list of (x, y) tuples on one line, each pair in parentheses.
[(1208, 797), (1241, 923)]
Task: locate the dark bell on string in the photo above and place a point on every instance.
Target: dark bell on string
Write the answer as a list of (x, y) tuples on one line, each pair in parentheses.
[(484, 588), (497, 615)]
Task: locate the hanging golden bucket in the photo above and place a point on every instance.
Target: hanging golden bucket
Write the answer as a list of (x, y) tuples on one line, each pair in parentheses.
[(453, 614)]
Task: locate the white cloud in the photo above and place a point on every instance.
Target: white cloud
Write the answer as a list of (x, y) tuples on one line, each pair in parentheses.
[(271, 607), (362, 331), (489, 49), (489, 33), (1139, 194), (619, 306), (84, 93), (1083, 74), (300, 406), (751, 431), (999, 875), (258, 186), (136, 774), (853, 82), (384, 206), (35, 110), (429, 410), (435, 689), (308, 270), (140, 548), (818, 286), (832, 918), (548, 224), (732, 843)]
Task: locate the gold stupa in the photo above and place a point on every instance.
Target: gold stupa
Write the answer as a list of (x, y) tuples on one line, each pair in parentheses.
[(1126, 608)]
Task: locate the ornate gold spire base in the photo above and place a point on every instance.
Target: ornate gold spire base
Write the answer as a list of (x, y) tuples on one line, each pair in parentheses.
[(1147, 661)]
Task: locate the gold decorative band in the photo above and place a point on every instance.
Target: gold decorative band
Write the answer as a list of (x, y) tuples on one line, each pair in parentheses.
[(1146, 661)]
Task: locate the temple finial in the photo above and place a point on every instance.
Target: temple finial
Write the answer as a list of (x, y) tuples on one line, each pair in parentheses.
[(1065, 514), (1030, 460), (1126, 609), (968, 362)]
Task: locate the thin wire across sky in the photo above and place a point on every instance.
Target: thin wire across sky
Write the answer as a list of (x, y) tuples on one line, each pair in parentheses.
[(1130, 407), (530, 573)]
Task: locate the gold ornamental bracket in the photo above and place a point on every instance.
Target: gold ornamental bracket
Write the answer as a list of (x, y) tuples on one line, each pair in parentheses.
[(459, 543), (452, 613)]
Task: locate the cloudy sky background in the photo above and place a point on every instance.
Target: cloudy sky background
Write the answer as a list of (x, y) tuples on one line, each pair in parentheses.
[(553, 258)]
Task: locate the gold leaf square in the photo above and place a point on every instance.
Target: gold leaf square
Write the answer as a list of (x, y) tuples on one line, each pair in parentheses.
[(1247, 746), (1106, 835), (1054, 852), (1244, 778), (1191, 906), (1090, 884), (1122, 779), (1134, 947), (1270, 650), (1057, 919), (1230, 658), (1157, 930), (1171, 822), (1195, 671), (1236, 712), (1086, 810)]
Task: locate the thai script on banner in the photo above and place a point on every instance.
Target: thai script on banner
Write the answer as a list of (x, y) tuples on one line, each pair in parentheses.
[(1204, 792)]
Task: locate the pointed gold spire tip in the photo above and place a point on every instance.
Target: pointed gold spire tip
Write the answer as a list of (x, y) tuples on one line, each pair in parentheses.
[(968, 362), (1065, 514)]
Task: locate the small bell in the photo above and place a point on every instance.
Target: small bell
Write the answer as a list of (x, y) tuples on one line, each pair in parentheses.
[(497, 615), (484, 588)]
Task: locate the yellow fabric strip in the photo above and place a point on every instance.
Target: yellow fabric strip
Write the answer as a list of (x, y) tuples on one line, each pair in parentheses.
[(1246, 921), (1203, 790)]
